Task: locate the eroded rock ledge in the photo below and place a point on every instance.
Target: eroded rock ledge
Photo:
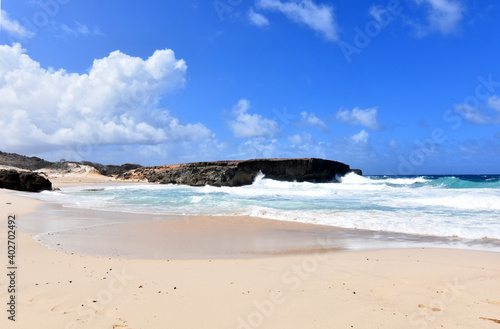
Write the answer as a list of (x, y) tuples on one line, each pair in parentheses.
[(24, 181), (238, 173)]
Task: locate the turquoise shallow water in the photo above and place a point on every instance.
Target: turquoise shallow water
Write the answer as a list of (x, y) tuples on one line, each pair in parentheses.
[(448, 206)]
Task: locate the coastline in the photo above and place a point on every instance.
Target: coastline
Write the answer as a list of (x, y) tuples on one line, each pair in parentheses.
[(146, 236), (395, 288), (101, 232)]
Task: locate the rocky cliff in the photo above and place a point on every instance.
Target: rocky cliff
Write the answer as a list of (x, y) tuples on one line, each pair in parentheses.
[(238, 173), (215, 173), (33, 163), (23, 181), (21, 161)]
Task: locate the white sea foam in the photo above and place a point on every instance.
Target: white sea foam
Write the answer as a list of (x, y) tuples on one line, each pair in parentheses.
[(474, 201), (417, 205)]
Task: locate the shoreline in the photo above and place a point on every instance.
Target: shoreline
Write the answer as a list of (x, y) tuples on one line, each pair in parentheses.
[(389, 288), (101, 232)]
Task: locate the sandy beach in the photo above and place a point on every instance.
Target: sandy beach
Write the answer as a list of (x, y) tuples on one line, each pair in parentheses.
[(307, 288), (266, 164)]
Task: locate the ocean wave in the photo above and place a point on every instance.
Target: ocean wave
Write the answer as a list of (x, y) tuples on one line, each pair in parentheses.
[(463, 183), (353, 179), (375, 220), (445, 182), (449, 206)]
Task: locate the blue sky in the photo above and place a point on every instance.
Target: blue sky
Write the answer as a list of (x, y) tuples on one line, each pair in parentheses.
[(391, 87)]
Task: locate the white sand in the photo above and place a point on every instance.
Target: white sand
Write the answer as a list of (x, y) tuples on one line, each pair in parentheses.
[(418, 288)]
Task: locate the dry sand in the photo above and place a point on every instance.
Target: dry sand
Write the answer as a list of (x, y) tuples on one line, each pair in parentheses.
[(407, 288)]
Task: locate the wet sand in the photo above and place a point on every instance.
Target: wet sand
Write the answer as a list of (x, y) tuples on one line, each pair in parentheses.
[(128, 235)]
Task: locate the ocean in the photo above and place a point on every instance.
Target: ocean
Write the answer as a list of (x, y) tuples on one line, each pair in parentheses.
[(463, 206)]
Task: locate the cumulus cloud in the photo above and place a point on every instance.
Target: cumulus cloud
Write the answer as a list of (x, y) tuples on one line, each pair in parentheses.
[(116, 102), (487, 114), (300, 139), (13, 27), (361, 137), (319, 18), (312, 120), (257, 19), (259, 148), (443, 16), (366, 117), (251, 125)]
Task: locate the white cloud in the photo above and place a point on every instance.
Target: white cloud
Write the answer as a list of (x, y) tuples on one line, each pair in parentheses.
[(320, 18), (300, 139), (80, 29), (394, 144), (259, 148), (257, 19), (481, 115), (13, 27), (494, 102), (366, 117), (115, 103), (361, 137), (311, 119), (442, 15), (77, 30), (251, 125), (471, 114)]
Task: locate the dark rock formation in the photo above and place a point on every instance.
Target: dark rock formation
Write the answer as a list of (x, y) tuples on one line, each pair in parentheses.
[(238, 173), (23, 181), (357, 171), (23, 162), (111, 170)]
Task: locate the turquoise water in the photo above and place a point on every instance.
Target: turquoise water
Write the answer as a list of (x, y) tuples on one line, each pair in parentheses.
[(461, 206)]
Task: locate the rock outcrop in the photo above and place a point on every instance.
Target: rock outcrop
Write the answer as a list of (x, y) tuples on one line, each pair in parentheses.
[(23, 162), (215, 173), (23, 181), (33, 163), (112, 170), (238, 173), (357, 171)]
